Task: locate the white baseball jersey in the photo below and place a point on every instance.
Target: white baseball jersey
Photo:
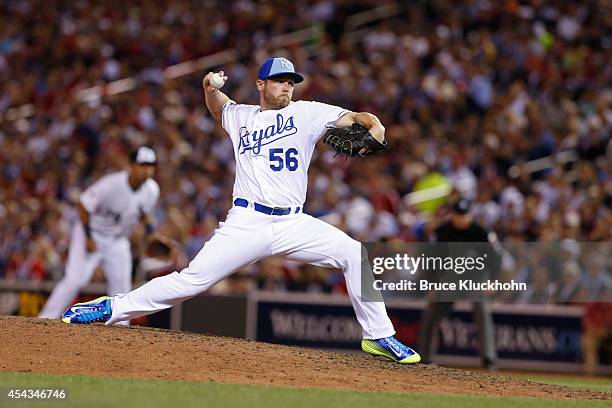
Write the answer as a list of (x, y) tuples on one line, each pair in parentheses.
[(273, 149), (114, 207)]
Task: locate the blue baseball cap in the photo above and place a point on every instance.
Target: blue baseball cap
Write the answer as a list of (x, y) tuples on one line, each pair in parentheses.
[(277, 66)]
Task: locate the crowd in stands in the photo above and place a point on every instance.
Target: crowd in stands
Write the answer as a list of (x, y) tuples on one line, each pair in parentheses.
[(472, 93)]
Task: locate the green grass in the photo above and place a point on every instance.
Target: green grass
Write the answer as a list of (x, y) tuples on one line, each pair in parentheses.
[(116, 392)]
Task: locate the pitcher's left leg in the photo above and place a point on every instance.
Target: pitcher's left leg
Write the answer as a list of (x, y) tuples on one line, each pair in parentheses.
[(307, 239)]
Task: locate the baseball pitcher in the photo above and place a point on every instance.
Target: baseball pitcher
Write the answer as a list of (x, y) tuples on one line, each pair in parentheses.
[(273, 145)]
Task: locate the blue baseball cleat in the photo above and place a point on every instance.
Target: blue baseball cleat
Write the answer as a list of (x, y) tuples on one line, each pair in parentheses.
[(97, 310), (391, 348)]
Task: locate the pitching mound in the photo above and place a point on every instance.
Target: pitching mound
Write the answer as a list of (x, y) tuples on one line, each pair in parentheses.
[(52, 347)]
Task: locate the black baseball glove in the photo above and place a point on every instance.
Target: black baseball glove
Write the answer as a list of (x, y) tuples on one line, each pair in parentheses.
[(353, 140)]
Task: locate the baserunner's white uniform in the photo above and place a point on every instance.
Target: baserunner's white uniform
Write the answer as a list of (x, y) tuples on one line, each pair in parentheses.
[(273, 149), (114, 210)]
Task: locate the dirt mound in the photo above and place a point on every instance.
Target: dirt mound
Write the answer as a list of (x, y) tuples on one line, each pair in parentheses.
[(29, 344)]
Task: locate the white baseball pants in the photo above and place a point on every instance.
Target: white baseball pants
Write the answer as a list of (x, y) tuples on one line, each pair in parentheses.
[(245, 237), (113, 253)]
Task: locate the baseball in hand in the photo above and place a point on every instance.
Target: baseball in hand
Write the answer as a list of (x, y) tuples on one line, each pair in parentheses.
[(216, 80)]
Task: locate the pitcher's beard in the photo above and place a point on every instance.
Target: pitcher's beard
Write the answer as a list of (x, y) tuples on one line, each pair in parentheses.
[(276, 102)]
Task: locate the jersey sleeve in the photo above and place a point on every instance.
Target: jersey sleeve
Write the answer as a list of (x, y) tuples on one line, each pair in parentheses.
[(96, 193), (321, 115), (233, 118), (229, 117)]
